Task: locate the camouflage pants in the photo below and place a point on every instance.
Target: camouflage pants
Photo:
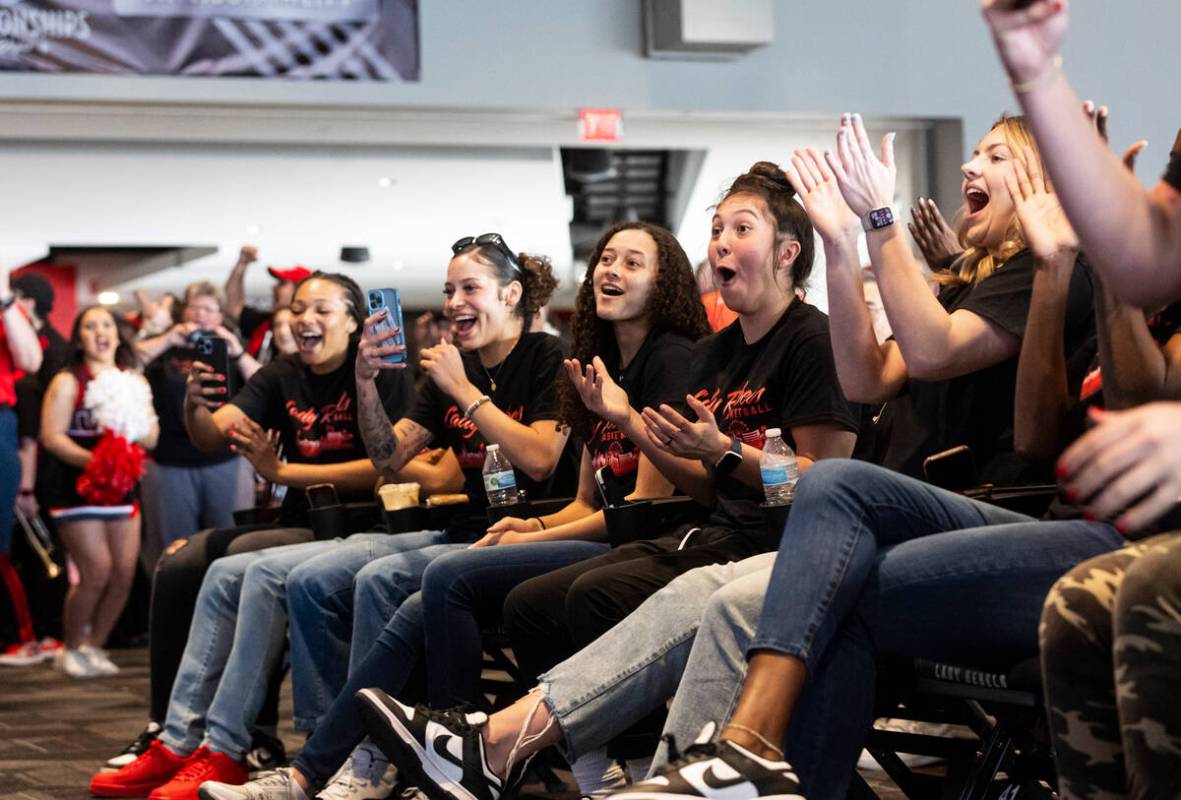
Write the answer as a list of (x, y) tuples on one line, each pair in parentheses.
[(1111, 656)]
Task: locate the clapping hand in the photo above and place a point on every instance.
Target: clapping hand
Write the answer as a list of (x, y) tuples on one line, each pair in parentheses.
[(672, 432), (866, 181), (602, 396), (1047, 230), (248, 439), (817, 187), (935, 238), (1128, 466)]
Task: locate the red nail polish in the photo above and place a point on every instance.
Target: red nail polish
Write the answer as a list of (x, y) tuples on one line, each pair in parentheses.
[(1090, 516), (1071, 494), (1122, 527), (1060, 471)]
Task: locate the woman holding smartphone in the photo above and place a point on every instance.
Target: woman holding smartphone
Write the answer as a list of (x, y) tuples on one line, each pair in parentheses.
[(636, 311)]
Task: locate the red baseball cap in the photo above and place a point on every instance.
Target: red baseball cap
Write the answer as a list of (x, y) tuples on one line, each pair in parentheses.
[(294, 274)]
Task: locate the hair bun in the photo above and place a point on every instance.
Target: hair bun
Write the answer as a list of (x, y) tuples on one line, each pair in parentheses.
[(772, 174)]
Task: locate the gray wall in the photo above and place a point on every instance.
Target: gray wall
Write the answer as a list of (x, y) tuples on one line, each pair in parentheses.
[(928, 58)]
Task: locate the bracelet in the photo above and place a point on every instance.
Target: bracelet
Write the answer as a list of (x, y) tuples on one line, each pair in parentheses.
[(1041, 78), (26, 491), (479, 401), (540, 522), (762, 739)]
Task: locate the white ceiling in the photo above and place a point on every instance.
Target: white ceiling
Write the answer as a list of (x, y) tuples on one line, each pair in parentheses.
[(298, 204)]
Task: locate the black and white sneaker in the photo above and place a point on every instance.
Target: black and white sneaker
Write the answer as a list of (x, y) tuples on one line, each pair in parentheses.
[(135, 748), (719, 770), (441, 752), (266, 753)]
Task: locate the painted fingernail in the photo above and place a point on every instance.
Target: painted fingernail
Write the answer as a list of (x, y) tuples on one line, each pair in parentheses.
[(893, 136), (856, 117), (1090, 516), (1122, 527), (1060, 471), (844, 119), (1071, 494)]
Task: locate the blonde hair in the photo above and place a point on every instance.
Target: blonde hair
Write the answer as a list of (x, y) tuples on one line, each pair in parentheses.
[(205, 289), (976, 263)]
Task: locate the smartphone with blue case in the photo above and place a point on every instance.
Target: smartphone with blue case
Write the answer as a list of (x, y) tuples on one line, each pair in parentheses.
[(391, 301)]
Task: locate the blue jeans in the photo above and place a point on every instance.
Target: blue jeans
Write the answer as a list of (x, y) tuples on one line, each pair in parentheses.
[(10, 476), (320, 601), (459, 589), (236, 639), (465, 588), (873, 563)]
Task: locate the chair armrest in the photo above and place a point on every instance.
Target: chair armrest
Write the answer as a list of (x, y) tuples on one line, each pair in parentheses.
[(647, 519)]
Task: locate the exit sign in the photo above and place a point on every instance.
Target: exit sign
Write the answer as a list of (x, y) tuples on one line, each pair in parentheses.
[(600, 124)]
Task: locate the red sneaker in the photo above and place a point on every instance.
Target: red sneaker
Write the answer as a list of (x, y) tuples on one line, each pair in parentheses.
[(155, 767), (203, 765)]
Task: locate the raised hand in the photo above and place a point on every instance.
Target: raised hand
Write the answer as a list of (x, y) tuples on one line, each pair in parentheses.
[(602, 396), (866, 181), (672, 432), (1098, 116), (248, 439), (375, 346), (234, 347), (1027, 35), (821, 197), (1128, 467), (935, 238), (1047, 230)]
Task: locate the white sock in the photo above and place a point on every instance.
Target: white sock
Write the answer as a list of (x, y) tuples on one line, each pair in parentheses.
[(596, 773)]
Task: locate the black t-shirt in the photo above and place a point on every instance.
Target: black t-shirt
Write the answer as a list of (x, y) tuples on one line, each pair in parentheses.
[(1162, 327), (657, 374), (787, 378), (30, 389), (524, 390), (977, 409), (316, 416), (166, 375)]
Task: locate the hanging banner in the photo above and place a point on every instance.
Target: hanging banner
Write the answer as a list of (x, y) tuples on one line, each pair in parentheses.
[(293, 39)]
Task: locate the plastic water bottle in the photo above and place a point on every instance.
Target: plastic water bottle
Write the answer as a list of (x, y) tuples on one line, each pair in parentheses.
[(778, 466), (499, 480)]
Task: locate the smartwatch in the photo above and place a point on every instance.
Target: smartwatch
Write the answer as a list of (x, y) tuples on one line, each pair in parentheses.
[(877, 219), (730, 459)]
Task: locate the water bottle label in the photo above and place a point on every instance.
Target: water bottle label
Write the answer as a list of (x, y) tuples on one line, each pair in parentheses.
[(773, 476), (499, 481)]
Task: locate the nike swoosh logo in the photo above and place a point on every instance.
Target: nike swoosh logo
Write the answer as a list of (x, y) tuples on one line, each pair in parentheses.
[(714, 781), (440, 745)]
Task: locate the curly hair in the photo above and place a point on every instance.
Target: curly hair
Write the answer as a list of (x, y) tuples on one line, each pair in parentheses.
[(536, 277), (767, 181), (673, 307)]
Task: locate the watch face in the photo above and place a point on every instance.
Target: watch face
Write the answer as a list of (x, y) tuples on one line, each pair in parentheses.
[(881, 217)]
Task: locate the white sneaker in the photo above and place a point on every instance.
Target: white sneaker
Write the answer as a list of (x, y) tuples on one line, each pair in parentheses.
[(100, 660), (75, 664), (276, 785), (367, 775)]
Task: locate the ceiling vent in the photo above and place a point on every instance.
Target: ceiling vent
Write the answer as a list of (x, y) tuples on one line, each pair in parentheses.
[(707, 29)]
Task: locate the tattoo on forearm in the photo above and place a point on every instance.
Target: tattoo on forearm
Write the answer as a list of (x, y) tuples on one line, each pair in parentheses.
[(381, 443)]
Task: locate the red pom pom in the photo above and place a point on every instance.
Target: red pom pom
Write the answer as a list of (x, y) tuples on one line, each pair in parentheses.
[(115, 467)]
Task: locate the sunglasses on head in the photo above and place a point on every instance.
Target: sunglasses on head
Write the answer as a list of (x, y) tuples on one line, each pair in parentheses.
[(494, 239)]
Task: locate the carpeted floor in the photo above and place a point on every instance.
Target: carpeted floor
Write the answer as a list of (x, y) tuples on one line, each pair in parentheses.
[(55, 732)]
